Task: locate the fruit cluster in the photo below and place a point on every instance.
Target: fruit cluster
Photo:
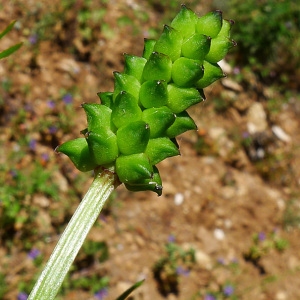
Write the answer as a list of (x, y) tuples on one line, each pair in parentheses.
[(135, 126)]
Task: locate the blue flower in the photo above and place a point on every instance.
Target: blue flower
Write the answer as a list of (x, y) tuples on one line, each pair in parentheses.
[(32, 144), (182, 271), (33, 39), (221, 261), (22, 296), (209, 297), (52, 129), (67, 98), (261, 236), (33, 253), (51, 104), (228, 290), (171, 238), (101, 294)]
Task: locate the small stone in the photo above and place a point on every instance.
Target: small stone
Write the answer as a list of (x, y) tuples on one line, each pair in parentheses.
[(281, 295), (281, 134), (219, 234), (226, 67), (41, 200), (203, 259), (257, 118), (230, 84), (178, 199)]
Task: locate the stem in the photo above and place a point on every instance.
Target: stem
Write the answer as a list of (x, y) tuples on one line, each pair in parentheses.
[(74, 235)]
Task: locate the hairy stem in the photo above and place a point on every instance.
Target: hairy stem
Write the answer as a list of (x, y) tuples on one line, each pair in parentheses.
[(74, 235)]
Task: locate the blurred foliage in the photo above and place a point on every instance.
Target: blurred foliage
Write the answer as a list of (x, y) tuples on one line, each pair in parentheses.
[(13, 48), (268, 37), (167, 269), (291, 216)]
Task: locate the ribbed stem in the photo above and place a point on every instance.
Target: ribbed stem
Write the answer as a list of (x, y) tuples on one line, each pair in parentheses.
[(74, 235)]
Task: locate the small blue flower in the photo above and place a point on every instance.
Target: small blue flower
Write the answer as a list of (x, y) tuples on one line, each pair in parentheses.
[(209, 297), (171, 238), (235, 261), (22, 296), (261, 236), (52, 129), (221, 261), (45, 157), (33, 253), (33, 38), (101, 294), (32, 145), (181, 271), (51, 104), (13, 173), (228, 290), (67, 98)]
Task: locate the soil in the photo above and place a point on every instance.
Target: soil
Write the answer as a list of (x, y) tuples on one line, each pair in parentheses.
[(216, 196)]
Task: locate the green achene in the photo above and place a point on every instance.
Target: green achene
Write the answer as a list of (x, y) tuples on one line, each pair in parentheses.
[(136, 125)]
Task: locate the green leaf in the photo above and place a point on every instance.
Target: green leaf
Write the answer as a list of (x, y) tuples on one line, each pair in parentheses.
[(10, 50), (130, 290), (7, 29)]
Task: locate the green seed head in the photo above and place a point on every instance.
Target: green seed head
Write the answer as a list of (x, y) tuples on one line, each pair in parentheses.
[(185, 22), (103, 146), (125, 109), (210, 24), (158, 67), (154, 93), (169, 43), (159, 120), (135, 126), (133, 137), (79, 153)]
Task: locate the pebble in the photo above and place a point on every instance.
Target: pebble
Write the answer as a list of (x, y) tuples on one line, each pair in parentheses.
[(219, 234), (226, 67), (178, 199), (203, 259), (230, 84), (281, 134), (281, 296), (257, 118)]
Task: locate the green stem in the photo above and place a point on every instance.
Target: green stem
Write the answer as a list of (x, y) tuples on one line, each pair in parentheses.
[(74, 235)]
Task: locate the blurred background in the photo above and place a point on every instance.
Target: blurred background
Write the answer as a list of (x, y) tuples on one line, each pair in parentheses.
[(227, 224)]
